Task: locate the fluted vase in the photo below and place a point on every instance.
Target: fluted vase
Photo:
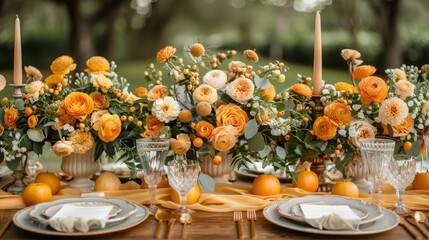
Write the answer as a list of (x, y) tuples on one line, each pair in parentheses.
[(220, 170)]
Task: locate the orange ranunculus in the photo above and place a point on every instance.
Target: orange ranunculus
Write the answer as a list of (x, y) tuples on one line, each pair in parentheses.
[(156, 93), (32, 121), (110, 127), (140, 92), (10, 116), (339, 112), (63, 65), (65, 118), (401, 130), (181, 144), (372, 89), (363, 71), (269, 93), (152, 126), (98, 64), (302, 89), (233, 115), (324, 128), (53, 79), (100, 101), (342, 86), (78, 104), (224, 138), (204, 129), (205, 93), (165, 54), (363, 129)]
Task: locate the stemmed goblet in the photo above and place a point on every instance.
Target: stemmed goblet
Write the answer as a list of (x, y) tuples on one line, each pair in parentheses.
[(400, 172), (375, 152), (152, 153), (182, 176)]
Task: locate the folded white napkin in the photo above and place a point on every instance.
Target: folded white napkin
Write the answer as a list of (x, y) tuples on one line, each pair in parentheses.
[(73, 218), (330, 217)]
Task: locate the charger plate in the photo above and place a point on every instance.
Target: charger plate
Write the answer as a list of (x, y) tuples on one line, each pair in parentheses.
[(23, 220), (388, 221)]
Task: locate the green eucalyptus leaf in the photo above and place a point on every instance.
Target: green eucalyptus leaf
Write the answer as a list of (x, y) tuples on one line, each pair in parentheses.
[(206, 182), (281, 152), (19, 103), (12, 165), (415, 149), (251, 129), (390, 129), (264, 152), (262, 83), (256, 143), (203, 151)]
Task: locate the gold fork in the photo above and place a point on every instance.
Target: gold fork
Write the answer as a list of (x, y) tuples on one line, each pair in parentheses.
[(238, 218), (251, 216), (5, 221)]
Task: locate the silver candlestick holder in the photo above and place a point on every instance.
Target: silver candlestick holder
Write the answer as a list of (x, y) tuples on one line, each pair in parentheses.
[(17, 93)]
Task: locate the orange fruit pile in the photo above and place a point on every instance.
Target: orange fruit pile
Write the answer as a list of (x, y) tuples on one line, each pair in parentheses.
[(266, 184)]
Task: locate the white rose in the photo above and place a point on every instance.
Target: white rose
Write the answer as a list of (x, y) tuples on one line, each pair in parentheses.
[(32, 89), (215, 78)]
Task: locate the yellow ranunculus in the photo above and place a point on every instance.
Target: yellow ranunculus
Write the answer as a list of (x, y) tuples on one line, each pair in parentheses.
[(63, 65), (53, 79), (110, 127), (224, 138), (98, 64), (302, 89), (363, 71), (339, 112), (181, 144)]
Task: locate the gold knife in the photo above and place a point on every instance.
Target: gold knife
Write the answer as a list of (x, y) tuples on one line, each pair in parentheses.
[(409, 228), (420, 227), (4, 224), (171, 222)]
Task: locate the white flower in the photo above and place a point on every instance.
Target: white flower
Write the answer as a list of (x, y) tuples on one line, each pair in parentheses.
[(166, 109), (32, 90), (325, 91), (18, 135), (35, 135), (393, 111), (2, 82), (215, 78)]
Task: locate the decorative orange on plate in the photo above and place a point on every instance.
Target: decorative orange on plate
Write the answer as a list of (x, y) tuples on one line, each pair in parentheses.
[(347, 189), (191, 198), (421, 181), (36, 193), (266, 184), (307, 180), (50, 179)]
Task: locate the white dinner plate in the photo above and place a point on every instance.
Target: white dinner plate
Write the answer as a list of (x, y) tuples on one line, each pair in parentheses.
[(388, 221), (23, 220), (51, 210), (252, 172)]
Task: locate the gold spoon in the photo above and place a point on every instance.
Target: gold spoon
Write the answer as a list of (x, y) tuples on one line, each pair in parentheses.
[(421, 218), (160, 215), (185, 219)]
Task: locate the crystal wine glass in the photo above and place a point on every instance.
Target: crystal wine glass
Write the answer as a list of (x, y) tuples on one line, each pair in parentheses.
[(152, 153), (375, 152), (182, 176), (32, 158), (400, 172)]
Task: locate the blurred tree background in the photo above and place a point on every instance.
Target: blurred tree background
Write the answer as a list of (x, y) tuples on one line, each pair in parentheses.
[(386, 32)]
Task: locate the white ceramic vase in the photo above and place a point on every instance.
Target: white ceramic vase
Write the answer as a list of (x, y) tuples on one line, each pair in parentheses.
[(357, 173), (220, 170), (81, 167)]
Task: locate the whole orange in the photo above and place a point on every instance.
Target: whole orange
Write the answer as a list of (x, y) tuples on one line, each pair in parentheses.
[(191, 198), (266, 184), (347, 189), (51, 179), (36, 193), (217, 160), (198, 142), (421, 181), (163, 184), (107, 181), (307, 180)]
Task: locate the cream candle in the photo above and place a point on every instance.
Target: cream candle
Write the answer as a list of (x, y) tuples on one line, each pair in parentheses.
[(17, 64), (317, 62)]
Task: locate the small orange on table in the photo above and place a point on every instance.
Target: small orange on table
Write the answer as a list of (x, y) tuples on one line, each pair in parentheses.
[(191, 198), (107, 181), (37, 193), (307, 180), (50, 179), (347, 189), (162, 184), (265, 185), (421, 181)]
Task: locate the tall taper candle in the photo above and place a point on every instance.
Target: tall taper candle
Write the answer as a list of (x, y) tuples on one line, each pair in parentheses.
[(17, 64), (317, 64)]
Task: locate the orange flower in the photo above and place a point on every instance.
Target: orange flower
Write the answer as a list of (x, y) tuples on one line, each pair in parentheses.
[(224, 138), (372, 89), (363, 71), (110, 127), (342, 86), (269, 93), (82, 141), (241, 89), (181, 144), (140, 91), (363, 130), (65, 118), (79, 105), (265, 116), (63, 65), (204, 129), (402, 129), (10, 116), (302, 89), (324, 128), (251, 55), (62, 148), (156, 93), (165, 54), (203, 109), (339, 112), (33, 72), (233, 115), (32, 121), (99, 81), (53, 79), (100, 101), (205, 93), (152, 126), (98, 64)]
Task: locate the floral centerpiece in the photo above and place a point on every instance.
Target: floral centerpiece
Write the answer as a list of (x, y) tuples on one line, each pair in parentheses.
[(73, 112)]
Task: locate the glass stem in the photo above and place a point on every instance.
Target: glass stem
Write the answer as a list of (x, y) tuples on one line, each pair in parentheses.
[(399, 194), (183, 200), (376, 193), (152, 193)]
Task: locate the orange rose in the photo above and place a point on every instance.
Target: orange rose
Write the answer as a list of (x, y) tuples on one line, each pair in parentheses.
[(372, 89), (204, 129), (224, 138), (342, 86), (241, 89), (363, 71), (165, 54), (140, 91), (65, 118), (302, 89), (157, 92), (78, 104), (98, 64), (233, 115), (339, 112), (181, 144), (100, 101), (110, 127), (63, 65), (324, 128), (269, 93), (53, 79), (152, 126), (402, 129), (10, 116), (205, 93), (32, 121)]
